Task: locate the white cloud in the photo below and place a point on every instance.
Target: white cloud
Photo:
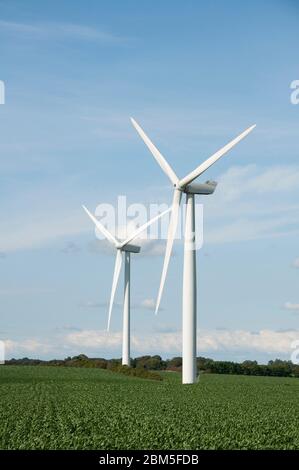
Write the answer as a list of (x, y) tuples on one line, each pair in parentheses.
[(251, 180), (30, 346), (266, 341), (291, 306), (164, 342), (94, 339), (244, 229), (22, 233), (252, 203), (149, 304), (296, 263), (60, 31)]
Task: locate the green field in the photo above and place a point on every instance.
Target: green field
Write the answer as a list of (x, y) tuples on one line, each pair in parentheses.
[(76, 408)]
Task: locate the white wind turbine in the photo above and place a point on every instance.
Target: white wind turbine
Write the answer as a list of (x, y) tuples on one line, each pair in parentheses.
[(126, 248), (186, 185)]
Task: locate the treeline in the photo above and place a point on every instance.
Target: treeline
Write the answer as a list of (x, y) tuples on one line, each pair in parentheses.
[(142, 366), (276, 368)]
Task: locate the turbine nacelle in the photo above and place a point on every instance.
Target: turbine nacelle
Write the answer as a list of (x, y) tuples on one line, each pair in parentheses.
[(129, 248), (198, 188)]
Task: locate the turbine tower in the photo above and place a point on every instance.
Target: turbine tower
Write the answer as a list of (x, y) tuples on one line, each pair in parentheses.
[(186, 185), (126, 248)]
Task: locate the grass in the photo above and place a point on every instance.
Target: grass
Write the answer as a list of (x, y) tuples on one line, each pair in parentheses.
[(72, 408)]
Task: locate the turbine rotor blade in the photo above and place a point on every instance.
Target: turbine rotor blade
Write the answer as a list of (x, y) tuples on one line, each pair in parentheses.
[(143, 227), (157, 155), (101, 227), (117, 268), (211, 160), (170, 239)]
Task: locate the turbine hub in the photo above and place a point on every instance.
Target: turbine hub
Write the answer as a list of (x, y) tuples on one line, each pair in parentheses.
[(178, 187)]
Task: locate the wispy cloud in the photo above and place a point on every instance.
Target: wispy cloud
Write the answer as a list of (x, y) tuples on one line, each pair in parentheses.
[(23, 233), (253, 203), (148, 304), (71, 248), (251, 180), (291, 306), (145, 304), (61, 31), (94, 304)]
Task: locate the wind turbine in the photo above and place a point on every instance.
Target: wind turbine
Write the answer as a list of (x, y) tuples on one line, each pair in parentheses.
[(187, 186), (126, 248)]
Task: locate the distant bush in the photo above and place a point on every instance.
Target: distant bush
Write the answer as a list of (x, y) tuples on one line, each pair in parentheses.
[(135, 372), (113, 364), (174, 363), (144, 366), (149, 362)]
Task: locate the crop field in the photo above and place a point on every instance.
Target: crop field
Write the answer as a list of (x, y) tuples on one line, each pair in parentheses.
[(76, 408)]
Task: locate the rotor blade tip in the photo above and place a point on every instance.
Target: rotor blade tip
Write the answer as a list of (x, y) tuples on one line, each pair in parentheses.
[(251, 128)]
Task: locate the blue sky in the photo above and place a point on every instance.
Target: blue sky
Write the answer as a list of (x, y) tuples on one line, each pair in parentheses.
[(194, 75)]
